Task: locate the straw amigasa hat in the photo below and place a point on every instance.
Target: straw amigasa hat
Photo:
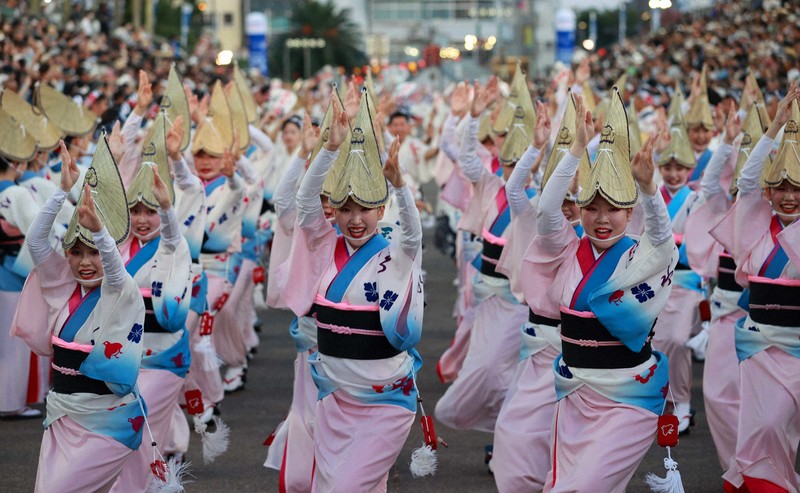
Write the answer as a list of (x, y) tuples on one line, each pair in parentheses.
[(174, 102), (71, 117), (634, 130), (373, 107), (520, 132), (250, 107), (154, 160), (759, 103), (333, 176), (786, 165), (46, 133), (17, 143), (611, 173), (589, 99), (675, 103), (361, 176), (239, 116), (564, 140), (485, 128), (215, 133), (699, 113), (752, 130), (505, 119), (679, 147), (108, 193)]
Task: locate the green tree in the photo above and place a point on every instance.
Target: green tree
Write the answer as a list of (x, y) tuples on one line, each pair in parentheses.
[(314, 19)]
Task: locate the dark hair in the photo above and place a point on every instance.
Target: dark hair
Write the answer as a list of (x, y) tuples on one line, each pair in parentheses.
[(401, 112), (295, 119)]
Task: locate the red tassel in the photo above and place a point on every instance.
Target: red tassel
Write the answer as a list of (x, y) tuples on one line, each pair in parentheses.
[(428, 431), (159, 468), (705, 311), (221, 301), (258, 275), (206, 324), (667, 430), (194, 402)]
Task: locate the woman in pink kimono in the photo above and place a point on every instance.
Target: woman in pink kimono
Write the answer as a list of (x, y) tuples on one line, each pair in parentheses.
[(366, 296), (610, 384), (90, 318), (762, 233)]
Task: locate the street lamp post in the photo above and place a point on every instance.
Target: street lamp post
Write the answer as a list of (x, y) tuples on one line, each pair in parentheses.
[(656, 6)]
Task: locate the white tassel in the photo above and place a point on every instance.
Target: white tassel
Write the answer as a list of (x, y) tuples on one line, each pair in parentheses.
[(214, 444), (699, 343), (175, 479), (204, 350), (423, 462), (670, 484)]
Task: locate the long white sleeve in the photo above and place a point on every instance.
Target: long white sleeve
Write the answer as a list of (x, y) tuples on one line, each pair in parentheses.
[(309, 205), (170, 228), (657, 225), (449, 139), (550, 215), (515, 187), (38, 235), (260, 139), (710, 182), (130, 127), (236, 182), (409, 221), (468, 156), (184, 178), (751, 172), (246, 169), (114, 273), (284, 197)]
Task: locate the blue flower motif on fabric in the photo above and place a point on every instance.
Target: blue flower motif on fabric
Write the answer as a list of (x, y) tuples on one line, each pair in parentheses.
[(135, 334), (386, 232), (156, 288), (643, 292), (223, 218), (189, 220), (563, 370), (371, 291), (389, 297)]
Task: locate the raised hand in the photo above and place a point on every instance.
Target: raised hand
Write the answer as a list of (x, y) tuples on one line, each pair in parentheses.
[(584, 127), (662, 131), (733, 125), (484, 96), (144, 94), (391, 170), (459, 100), (69, 170), (200, 110), (353, 100), (644, 167), (309, 137), (228, 164), (338, 128), (541, 133), (784, 111), (87, 213), (161, 191), (116, 142), (175, 138), (236, 151)]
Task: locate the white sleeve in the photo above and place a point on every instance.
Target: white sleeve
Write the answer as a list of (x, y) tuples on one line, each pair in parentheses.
[(657, 225), (260, 139), (468, 156), (184, 178), (170, 228), (515, 188), (247, 171), (710, 182), (309, 205), (236, 182), (449, 140), (409, 221), (550, 215), (114, 272), (38, 235), (751, 172), (284, 197)]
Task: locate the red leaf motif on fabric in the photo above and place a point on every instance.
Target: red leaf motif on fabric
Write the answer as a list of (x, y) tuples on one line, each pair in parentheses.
[(136, 423), (646, 379), (113, 349)]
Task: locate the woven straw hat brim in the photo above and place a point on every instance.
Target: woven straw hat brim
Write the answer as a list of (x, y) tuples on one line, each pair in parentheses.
[(71, 117), (154, 154), (17, 144), (564, 140), (215, 134), (760, 103), (239, 117), (634, 131), (611, 173), (519, 89), (335, 173), (108, 193), (45, 132), (752, 131), (700, 111), (250, 107), (679, 149), (174, 102), (361, 177), (786, 165)]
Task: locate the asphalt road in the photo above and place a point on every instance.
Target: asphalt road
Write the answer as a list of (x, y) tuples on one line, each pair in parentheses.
[(253, 413)]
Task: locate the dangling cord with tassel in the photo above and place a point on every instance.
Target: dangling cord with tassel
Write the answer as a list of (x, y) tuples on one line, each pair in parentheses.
[(214, 444), (423, 459), (169, 476), (667, 436)]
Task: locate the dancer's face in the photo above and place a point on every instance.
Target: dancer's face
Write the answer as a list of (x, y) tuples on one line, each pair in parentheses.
[(604, 222), (207, 166), (85, 263), (145, 222), (571, 210), (675, 175), (785, 199), (357, 222), (699, 137)]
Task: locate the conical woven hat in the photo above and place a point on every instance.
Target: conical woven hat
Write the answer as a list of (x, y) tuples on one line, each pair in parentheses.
[(634, 131), (589, 100), (373, 107), (215, 133), (485, 128), (519, 88), (564, 140), (108, 193), (46, 133), (174, 102), (239, 116), (71, 117), (679, 147), (700, 111), (621, 82), (752, 130), (154, 159), (520, 134), (611, 173), (16, 144), (250, 106), (760, 104), (675, 104), (786, 165), (362, 177), (333, 176)]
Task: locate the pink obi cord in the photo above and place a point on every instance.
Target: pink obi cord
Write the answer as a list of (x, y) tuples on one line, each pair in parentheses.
[(340, 329)]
